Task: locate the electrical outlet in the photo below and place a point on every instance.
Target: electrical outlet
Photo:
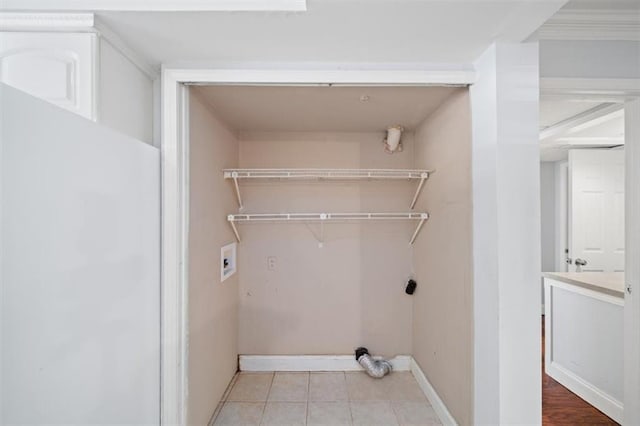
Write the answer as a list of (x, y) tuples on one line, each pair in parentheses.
[(272, 263)]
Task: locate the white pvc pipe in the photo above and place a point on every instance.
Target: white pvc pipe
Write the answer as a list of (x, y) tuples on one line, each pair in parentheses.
[(393, 138)]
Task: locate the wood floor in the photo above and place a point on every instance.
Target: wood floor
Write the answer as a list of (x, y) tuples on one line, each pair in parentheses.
[(562, 407)]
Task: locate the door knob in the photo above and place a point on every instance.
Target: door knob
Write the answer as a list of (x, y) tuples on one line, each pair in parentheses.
[(579, 264)]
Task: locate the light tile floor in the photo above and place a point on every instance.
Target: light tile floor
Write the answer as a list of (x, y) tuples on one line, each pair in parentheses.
[(331, 399)]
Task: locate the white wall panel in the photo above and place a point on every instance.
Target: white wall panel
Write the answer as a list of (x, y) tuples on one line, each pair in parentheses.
[(589, 59), (506, 236), (584, 343), (125, 96), (80, 270), (587, 339)]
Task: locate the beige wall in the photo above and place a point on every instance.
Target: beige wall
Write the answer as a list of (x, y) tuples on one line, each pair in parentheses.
[(442, 323), (348, 293), (213, 306)]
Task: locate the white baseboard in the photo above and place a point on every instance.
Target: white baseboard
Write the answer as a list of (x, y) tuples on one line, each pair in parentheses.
[(312, 363), (438, 405), (345, 363), (587, 391)]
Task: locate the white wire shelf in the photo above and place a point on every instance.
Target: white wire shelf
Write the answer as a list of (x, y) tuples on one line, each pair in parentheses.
[(324, 217), (329, 174)]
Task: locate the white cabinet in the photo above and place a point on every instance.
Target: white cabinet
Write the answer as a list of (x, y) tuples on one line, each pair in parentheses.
[(68, 61), (57, 67)]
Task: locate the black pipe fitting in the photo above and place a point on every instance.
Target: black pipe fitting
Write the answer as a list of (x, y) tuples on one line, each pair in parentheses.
[(361, 351), (411, 287)]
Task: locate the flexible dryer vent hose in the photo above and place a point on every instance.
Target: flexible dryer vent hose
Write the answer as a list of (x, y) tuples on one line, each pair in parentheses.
[(377, 368)]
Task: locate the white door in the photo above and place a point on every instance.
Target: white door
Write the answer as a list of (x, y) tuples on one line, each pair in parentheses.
[(596, 209), (80, 287)]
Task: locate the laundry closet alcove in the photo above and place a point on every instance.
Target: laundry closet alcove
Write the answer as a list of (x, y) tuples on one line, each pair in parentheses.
[(322, 259)]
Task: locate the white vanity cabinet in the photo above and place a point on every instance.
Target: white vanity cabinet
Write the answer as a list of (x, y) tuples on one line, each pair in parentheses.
[(55, 66)]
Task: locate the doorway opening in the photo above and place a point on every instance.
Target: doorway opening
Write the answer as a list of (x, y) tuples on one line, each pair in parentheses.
[(582, 186), (360, 149)]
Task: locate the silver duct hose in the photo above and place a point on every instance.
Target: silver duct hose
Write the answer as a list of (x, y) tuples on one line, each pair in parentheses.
[(377, 368)]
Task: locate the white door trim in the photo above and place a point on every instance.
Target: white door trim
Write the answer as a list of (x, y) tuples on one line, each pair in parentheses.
[(562, 207), (602, 89), (175, 201), (174, 301), (160, 5), (632, 267)]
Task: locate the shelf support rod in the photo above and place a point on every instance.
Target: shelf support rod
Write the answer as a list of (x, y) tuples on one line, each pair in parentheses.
[(423, 177), (234, 175), (423, 218), (233, 226)]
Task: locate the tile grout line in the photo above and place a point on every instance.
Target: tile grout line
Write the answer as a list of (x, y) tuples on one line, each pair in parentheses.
[(344, 374), (264, 408), (390, 400), (308, 392), (395, 413), (223, 400)]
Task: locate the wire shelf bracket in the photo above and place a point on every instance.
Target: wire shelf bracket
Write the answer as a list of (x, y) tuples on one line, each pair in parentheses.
[(328, 174), (234, 219)]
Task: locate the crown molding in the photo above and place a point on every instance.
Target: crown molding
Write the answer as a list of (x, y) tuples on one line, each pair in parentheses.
[(23, 21), (595, 89), (158, 5), (590, 24), (75, 22), (594, 116)]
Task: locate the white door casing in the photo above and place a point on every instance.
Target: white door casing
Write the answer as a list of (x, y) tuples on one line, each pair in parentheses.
[(562, 240), (596, 209), (632, 272)]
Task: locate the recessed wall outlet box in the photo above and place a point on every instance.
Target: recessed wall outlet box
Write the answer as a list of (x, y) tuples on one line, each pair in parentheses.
[(272, 263), (227, 261)]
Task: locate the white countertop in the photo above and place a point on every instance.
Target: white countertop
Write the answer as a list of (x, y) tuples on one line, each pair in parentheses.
[(605, 282)]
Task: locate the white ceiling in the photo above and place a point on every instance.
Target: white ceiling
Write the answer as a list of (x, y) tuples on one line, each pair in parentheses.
[(346, 31), (555, 111), (609, 5), (564, 119), (604, 130), (322, 108)]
